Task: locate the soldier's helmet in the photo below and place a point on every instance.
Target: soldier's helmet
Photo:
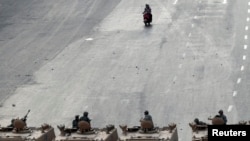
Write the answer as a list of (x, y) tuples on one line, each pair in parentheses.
[(220, 112), (196, 120), (85, 113), (146, 112)]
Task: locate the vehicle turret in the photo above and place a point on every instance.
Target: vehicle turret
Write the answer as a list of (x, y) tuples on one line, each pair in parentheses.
[(19, 131), (86, 133), (145, 132)]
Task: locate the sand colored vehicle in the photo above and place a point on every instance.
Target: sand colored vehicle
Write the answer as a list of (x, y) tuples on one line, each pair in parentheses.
[(19, 131), (87, 133), (200, 131), (146, 132)]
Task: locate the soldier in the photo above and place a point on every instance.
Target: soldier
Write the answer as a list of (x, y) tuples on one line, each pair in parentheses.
[(223, 116), (75, 122), (198, 122), (147, 122), (147, 116), (85, 117)]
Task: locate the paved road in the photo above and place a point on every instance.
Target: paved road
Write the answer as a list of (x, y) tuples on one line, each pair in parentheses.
[(60, 58)]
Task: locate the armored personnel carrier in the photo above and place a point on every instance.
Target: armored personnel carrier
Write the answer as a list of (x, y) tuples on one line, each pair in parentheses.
[(85, 133), (19, 131), (200, 130), (146, 132)]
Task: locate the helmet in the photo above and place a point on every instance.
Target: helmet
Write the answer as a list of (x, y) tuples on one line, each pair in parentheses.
[(146, 112), (147, 5), (196, 120), (220, 112), (85, 113), (77, 116)]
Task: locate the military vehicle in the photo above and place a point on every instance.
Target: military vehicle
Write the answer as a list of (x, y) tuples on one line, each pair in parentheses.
[(85, 132), (19, 131), (200, 131), (147, 132)]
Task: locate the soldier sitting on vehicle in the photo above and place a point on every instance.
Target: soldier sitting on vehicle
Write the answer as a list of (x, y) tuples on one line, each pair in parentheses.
[(198, 122), (75, 122), (147, 121), (223, 116), (85, 117)]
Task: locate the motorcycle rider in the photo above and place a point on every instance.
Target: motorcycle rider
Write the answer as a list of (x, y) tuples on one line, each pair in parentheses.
[(147, 10)]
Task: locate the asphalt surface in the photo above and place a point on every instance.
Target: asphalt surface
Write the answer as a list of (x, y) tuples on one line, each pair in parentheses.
[(60, 58)]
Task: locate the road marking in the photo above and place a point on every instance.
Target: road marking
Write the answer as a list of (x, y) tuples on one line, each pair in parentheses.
[(248, 10), (238, 80), (244, 57), (246, 28), (248, 3), (180, 66), (225, 1), (89, 39), (230, 107), (175, 2), (245, 47), (234, 93), (195, 17), (192, 25), (245, 37), (174, 78), (242, 68), (183, 55), (248, 19), (190, 34)]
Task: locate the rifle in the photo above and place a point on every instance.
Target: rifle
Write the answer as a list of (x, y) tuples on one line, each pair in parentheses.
[(25, 117)]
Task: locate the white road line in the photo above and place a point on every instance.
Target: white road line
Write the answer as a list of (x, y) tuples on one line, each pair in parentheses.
[(174, 78), (225, 1), (175, 2), (248, 19), (245, 47), (195, 17), (230, 107), (184, 55), (190, 34), (248, 10), (246, 28), (180, 66), (248, 3), (238, 80), (89, 39), (245, 37), (192, 25), (244, 57), (234, 93), (242, 68)]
